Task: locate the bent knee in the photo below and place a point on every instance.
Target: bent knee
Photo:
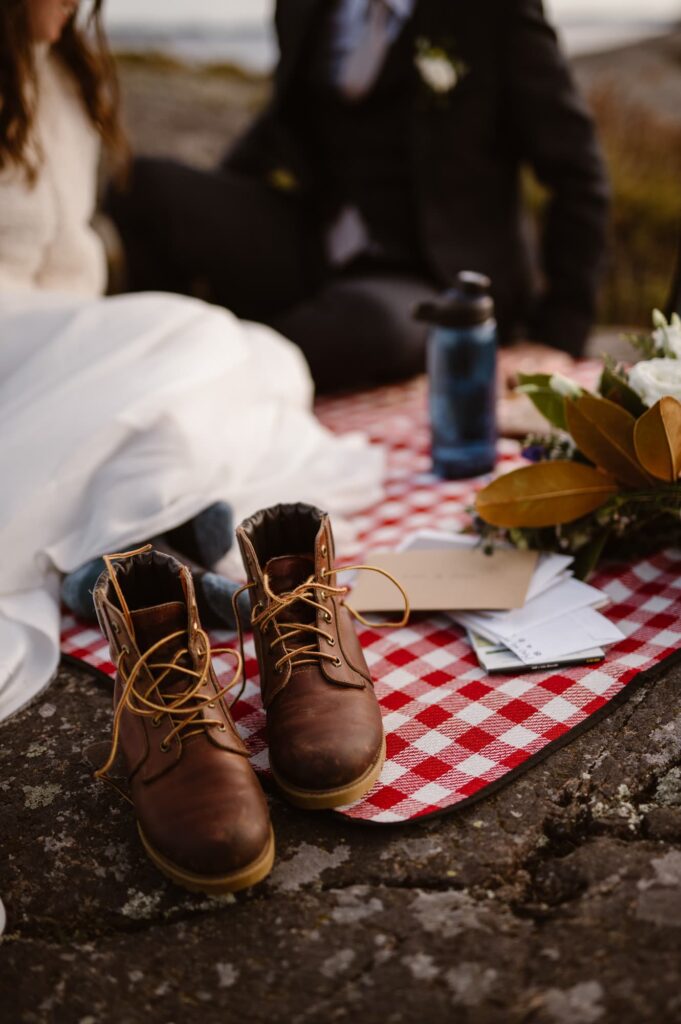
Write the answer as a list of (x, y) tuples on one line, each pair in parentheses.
[(386, 334)]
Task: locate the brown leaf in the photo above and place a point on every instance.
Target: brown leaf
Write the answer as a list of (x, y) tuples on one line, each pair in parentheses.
[(657, 439), (544, 494), (604, 432)]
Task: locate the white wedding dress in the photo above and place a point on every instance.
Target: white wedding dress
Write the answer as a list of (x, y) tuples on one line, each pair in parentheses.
[(121, 417)]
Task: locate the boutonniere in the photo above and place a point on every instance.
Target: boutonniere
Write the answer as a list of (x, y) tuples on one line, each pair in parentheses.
[(438, 67)]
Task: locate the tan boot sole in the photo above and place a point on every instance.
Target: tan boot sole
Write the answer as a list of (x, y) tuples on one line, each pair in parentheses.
[(324, 799), (213, 885)]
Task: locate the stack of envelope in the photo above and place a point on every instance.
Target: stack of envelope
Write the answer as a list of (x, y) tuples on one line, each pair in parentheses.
[(559, 623)]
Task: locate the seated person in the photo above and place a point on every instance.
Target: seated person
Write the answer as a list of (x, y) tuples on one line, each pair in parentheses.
[(128, 417), (388, 160)]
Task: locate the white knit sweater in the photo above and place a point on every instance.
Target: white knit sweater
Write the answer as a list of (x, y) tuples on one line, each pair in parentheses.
[(46, 241)]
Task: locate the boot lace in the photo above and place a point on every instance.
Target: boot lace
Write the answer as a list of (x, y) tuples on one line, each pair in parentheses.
[(310, 593), (142, 687), (185, 707)]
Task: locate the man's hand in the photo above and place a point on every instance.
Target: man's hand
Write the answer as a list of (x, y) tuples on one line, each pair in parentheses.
[(529, 357)]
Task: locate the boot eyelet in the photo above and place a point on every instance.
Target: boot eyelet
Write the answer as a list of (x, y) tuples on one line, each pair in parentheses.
[(331, 641), (211, 703), (324, 550), (327, 616), (257, 608), (336, 662), (323, 595), (125, 649), (222, 727), (155, 722), (164, 746), (116, 628)]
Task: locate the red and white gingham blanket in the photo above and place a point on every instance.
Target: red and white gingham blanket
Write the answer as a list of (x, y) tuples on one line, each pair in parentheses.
[(454, 733)]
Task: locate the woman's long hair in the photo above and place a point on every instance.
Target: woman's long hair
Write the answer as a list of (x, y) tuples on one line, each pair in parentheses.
[(84, 53)]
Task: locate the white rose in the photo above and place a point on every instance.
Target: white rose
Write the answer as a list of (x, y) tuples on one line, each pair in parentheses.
[(652, 379), (437, 72)]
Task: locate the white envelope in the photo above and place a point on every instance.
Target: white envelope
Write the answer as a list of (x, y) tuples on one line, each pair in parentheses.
[(567, 596), (561, 637)]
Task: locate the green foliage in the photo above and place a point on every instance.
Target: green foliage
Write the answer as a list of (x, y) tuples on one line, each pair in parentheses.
[(550, 404), (643, 344), (627, 527), (615, 387), (589, 555)]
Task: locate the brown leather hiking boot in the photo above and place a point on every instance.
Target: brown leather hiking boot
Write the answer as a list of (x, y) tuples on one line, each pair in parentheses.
[(201, 813), (326, 740)]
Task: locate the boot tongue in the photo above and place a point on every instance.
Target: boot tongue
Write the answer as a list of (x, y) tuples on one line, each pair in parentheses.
[(156, 623), (285, 573)]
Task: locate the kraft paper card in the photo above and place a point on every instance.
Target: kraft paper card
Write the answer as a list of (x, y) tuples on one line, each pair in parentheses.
[(451, 579)]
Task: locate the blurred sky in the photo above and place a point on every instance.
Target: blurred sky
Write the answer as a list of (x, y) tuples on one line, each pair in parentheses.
[(151, 11)]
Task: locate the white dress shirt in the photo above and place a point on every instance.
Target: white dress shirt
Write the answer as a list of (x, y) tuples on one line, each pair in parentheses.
[(348, 235), (347, 24)]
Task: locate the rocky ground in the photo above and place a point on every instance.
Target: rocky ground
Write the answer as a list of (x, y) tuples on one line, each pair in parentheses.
[(555, 901), (171, 110), (646, 75)]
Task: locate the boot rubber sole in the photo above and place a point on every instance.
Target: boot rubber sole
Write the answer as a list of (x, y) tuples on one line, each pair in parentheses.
[(213, 885), (325, 799)]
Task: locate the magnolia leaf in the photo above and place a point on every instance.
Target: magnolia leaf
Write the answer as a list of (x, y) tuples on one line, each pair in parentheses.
[(549, 403), (545, 494), (604, 432), (615, 389), (657, 439)]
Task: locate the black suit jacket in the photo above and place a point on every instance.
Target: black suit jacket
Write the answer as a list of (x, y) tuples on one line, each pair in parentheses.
[(516, 104)]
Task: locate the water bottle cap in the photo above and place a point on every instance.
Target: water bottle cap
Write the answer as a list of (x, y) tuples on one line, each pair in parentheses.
[(468, 303)]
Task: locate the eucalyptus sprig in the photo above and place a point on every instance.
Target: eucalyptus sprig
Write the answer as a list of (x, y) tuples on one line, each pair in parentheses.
[(663, 343)]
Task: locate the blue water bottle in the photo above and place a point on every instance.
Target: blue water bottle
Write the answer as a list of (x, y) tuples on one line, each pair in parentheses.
[(462, 350)]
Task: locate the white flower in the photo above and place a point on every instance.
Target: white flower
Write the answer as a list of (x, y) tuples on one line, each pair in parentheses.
[(564, 386), (437, 71), (652, 379), (667, 336)]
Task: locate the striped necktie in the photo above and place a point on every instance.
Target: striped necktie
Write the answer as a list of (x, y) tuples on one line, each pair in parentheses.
[(362, 66)]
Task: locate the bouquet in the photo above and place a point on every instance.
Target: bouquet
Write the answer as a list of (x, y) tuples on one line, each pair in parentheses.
[(606, 479)]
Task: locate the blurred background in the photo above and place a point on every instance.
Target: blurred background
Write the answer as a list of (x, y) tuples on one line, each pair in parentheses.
[(194, 72)]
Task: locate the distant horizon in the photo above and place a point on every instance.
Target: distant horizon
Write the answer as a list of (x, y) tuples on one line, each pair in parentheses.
[(183, 12), (240, 31)]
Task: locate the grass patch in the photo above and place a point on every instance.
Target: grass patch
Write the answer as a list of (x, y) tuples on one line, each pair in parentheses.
[(155, 60), (644, 160), (151, 60), (643, 154), (234, 71)]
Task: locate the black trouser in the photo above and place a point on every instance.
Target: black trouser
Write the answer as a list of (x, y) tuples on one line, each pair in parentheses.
[(245, 246)]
